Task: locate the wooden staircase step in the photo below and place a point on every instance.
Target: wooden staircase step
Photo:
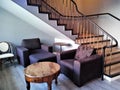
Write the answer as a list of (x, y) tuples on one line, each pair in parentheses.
[(114, 70), (98, 45), (97, 42), (53, 16), (113, 52), (112, 59), (86, 35), (87, 40), (108, 50), (114, 49), (33, 2), (89, 36), (42, 9), (95, 39)]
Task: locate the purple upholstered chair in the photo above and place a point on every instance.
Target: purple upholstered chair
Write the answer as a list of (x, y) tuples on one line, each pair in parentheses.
[(32, 51), (83, 69)]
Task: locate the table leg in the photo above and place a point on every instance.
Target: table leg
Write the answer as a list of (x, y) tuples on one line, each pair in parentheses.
[(0, 64), (56, 82), (49, 85), (28, 85)]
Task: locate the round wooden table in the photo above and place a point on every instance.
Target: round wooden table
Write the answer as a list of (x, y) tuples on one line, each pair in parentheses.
[(42, 72)]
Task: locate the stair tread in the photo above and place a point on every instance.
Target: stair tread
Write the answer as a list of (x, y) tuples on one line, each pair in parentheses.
[(87, 34)]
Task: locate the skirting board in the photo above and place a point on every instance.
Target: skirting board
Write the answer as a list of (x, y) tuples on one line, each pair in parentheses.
[(111, 79)]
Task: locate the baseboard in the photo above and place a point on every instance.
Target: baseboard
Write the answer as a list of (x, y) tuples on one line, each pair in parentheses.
[(111, 78)]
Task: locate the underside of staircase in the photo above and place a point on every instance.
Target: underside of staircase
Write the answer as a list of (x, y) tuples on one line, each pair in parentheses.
[(66, 13)]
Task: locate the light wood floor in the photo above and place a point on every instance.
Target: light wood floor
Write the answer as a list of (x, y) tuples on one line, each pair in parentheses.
[(12, 78)]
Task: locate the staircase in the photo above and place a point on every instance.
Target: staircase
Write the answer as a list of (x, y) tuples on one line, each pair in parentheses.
[(66, 13)]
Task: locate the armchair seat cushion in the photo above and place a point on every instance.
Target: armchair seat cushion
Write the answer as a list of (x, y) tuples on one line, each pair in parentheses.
[(67, 63), (41, 56)]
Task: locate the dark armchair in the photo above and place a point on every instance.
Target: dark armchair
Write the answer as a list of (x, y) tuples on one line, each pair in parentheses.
[(32, 51), (80, 71)]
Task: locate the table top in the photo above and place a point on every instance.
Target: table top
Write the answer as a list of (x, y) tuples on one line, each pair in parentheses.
[(42, 69)]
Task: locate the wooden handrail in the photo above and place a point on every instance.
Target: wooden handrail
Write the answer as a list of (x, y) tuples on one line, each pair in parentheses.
[(99, 14)]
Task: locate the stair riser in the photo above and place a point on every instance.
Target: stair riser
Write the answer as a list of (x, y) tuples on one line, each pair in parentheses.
[(89, 40), (71, 25), (112, 58), (96, 42), (107, 51), (34, 2), (98, 45), (114, 69)]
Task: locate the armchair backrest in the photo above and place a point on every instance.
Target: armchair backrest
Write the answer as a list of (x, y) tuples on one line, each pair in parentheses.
[(31, 44), (84, 51)]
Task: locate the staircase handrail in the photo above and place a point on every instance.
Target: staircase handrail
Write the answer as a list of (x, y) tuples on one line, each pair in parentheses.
[(99, 14)]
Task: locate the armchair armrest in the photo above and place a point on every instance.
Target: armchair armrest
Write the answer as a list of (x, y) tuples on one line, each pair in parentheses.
[(70, 54), (47, 48), (88, 69), (23, 55), (92, 58)]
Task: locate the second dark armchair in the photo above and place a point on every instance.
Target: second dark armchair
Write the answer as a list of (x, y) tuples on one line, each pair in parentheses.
[(84, 69), (32, 51)]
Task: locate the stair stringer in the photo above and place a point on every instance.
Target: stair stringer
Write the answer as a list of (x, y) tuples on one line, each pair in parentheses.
[(34, 10)]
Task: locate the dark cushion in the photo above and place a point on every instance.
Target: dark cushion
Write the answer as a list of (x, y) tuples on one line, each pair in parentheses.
[(42, 55), (31, 44), (83, 52), (92, 57)]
